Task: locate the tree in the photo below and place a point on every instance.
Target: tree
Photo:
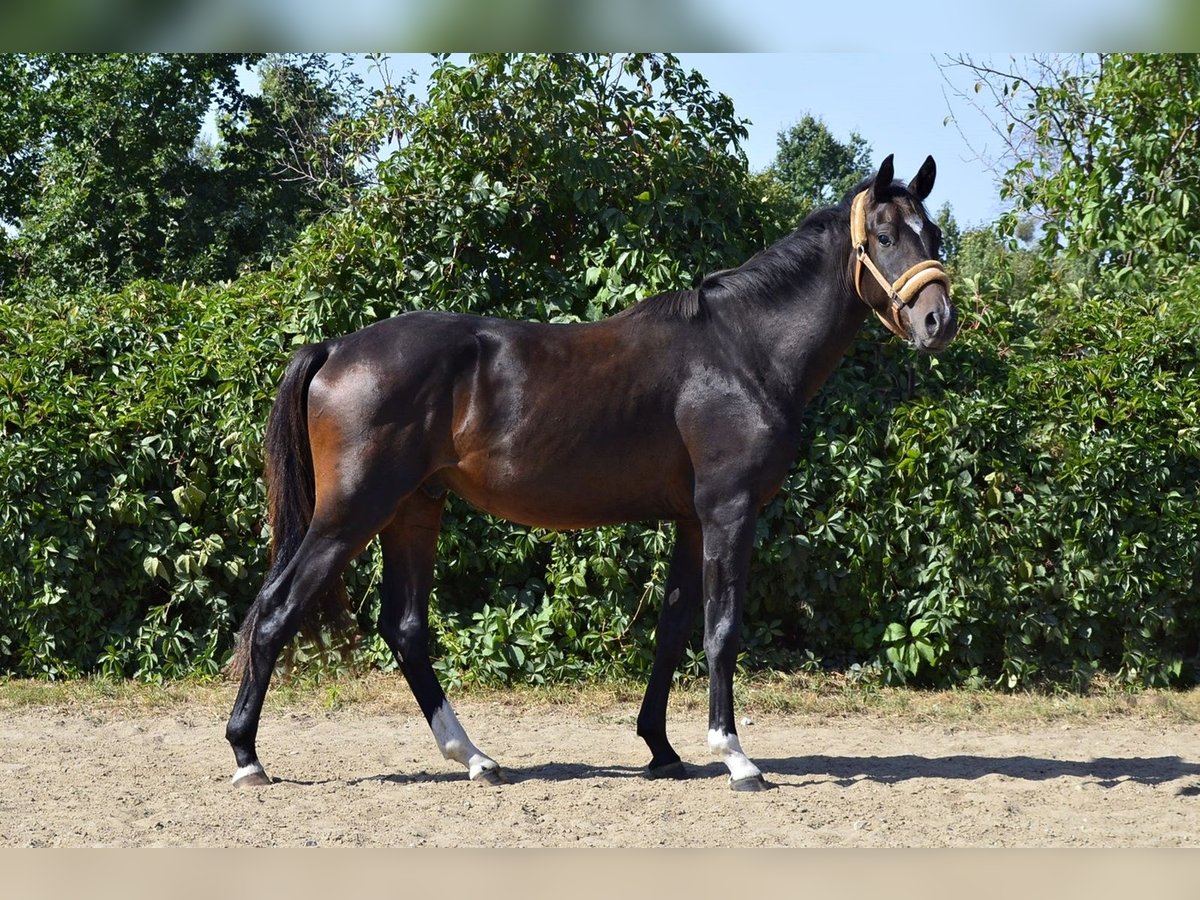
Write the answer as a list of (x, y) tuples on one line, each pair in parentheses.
[(107, 153), (815, 168), (951, 233), (20, 150), (558, 186), (20, 132), (1101, 150), (105, 180), (283, 158)]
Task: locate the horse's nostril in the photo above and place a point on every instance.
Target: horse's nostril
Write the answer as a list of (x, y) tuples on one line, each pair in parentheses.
[(932, 322)]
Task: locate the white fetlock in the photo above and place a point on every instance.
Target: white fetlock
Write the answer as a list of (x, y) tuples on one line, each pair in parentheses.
[(255, 768), (729, 748), (479, 765), (452, 740)]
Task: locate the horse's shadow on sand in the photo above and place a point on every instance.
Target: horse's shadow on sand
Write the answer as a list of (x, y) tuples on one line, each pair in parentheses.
[(847, 771), (1103, 771)]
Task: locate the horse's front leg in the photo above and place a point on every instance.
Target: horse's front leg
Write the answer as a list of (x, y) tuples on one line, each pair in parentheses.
[(681, 600), (728, 539)]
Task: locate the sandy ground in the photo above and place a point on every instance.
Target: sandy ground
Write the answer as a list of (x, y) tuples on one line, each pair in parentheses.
[(364, 777)]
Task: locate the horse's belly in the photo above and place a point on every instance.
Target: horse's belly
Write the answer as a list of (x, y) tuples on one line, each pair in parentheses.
[(580, 499)]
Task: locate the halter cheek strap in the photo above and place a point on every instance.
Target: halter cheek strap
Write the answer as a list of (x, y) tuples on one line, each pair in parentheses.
[(901, 292)]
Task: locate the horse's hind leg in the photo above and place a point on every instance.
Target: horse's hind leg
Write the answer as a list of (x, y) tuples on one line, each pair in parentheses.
[(314, 570), (409, 549), (681, 599)]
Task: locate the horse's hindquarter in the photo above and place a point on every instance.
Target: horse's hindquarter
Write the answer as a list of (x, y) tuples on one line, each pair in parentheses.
[(568, 426)]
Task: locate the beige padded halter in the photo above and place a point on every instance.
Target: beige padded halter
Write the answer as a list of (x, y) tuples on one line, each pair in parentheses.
[(901, 292)]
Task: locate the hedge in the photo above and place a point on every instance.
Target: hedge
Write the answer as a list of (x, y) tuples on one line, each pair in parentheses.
[(1021, 509)]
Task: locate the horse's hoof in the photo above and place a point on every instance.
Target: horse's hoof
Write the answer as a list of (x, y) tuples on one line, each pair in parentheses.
[(676, 771), (257, 778), (491, 776), (750, 783)]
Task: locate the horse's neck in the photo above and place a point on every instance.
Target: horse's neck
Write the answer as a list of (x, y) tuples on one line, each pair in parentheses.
[(829, 351), (803, 335)]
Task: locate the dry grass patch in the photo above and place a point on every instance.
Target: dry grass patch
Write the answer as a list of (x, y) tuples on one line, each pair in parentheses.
[(817, 696)]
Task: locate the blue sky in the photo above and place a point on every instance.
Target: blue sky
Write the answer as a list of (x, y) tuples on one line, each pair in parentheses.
[(896, 101)]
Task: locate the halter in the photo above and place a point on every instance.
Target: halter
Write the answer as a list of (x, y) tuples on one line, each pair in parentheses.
[(901, 292)]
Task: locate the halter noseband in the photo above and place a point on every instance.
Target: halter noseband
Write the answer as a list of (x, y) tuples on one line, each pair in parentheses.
[(901, 292)]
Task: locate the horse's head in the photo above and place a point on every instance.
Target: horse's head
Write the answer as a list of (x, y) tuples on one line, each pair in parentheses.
[(896, 268)]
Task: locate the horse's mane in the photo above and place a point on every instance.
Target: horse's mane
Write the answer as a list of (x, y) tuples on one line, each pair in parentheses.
[(671, 305), (788, 262), (781, 266)]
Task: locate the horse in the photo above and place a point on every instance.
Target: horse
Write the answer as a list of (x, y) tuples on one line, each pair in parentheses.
[(684, 407)]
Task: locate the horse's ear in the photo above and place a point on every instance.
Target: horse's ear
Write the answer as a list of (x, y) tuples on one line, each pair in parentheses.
[(883, 180), (921, 186)]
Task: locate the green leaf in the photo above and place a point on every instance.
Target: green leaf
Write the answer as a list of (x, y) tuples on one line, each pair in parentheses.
[(155, 568)]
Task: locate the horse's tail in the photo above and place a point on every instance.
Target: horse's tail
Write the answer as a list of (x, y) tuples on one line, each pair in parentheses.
[(291, 497)]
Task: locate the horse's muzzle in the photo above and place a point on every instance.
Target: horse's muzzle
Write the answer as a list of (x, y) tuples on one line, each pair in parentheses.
[(932, 320)]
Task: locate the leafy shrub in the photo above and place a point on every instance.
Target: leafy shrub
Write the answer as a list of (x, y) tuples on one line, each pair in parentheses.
[(1026, 511), (132, 507), (1022, 508)]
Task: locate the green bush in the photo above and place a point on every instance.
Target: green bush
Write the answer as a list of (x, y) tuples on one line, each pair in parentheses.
[(132, 510), (1022, 508), (1026, 510)]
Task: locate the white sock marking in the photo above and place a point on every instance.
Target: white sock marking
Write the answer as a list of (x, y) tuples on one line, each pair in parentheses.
[(729, 748), (251, 769), (452, 740)]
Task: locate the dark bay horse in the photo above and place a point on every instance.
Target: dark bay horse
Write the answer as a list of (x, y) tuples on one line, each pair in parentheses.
[(685, 407)]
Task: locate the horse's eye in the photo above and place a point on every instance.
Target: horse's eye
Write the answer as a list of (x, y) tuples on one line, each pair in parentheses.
[(885, 240)]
